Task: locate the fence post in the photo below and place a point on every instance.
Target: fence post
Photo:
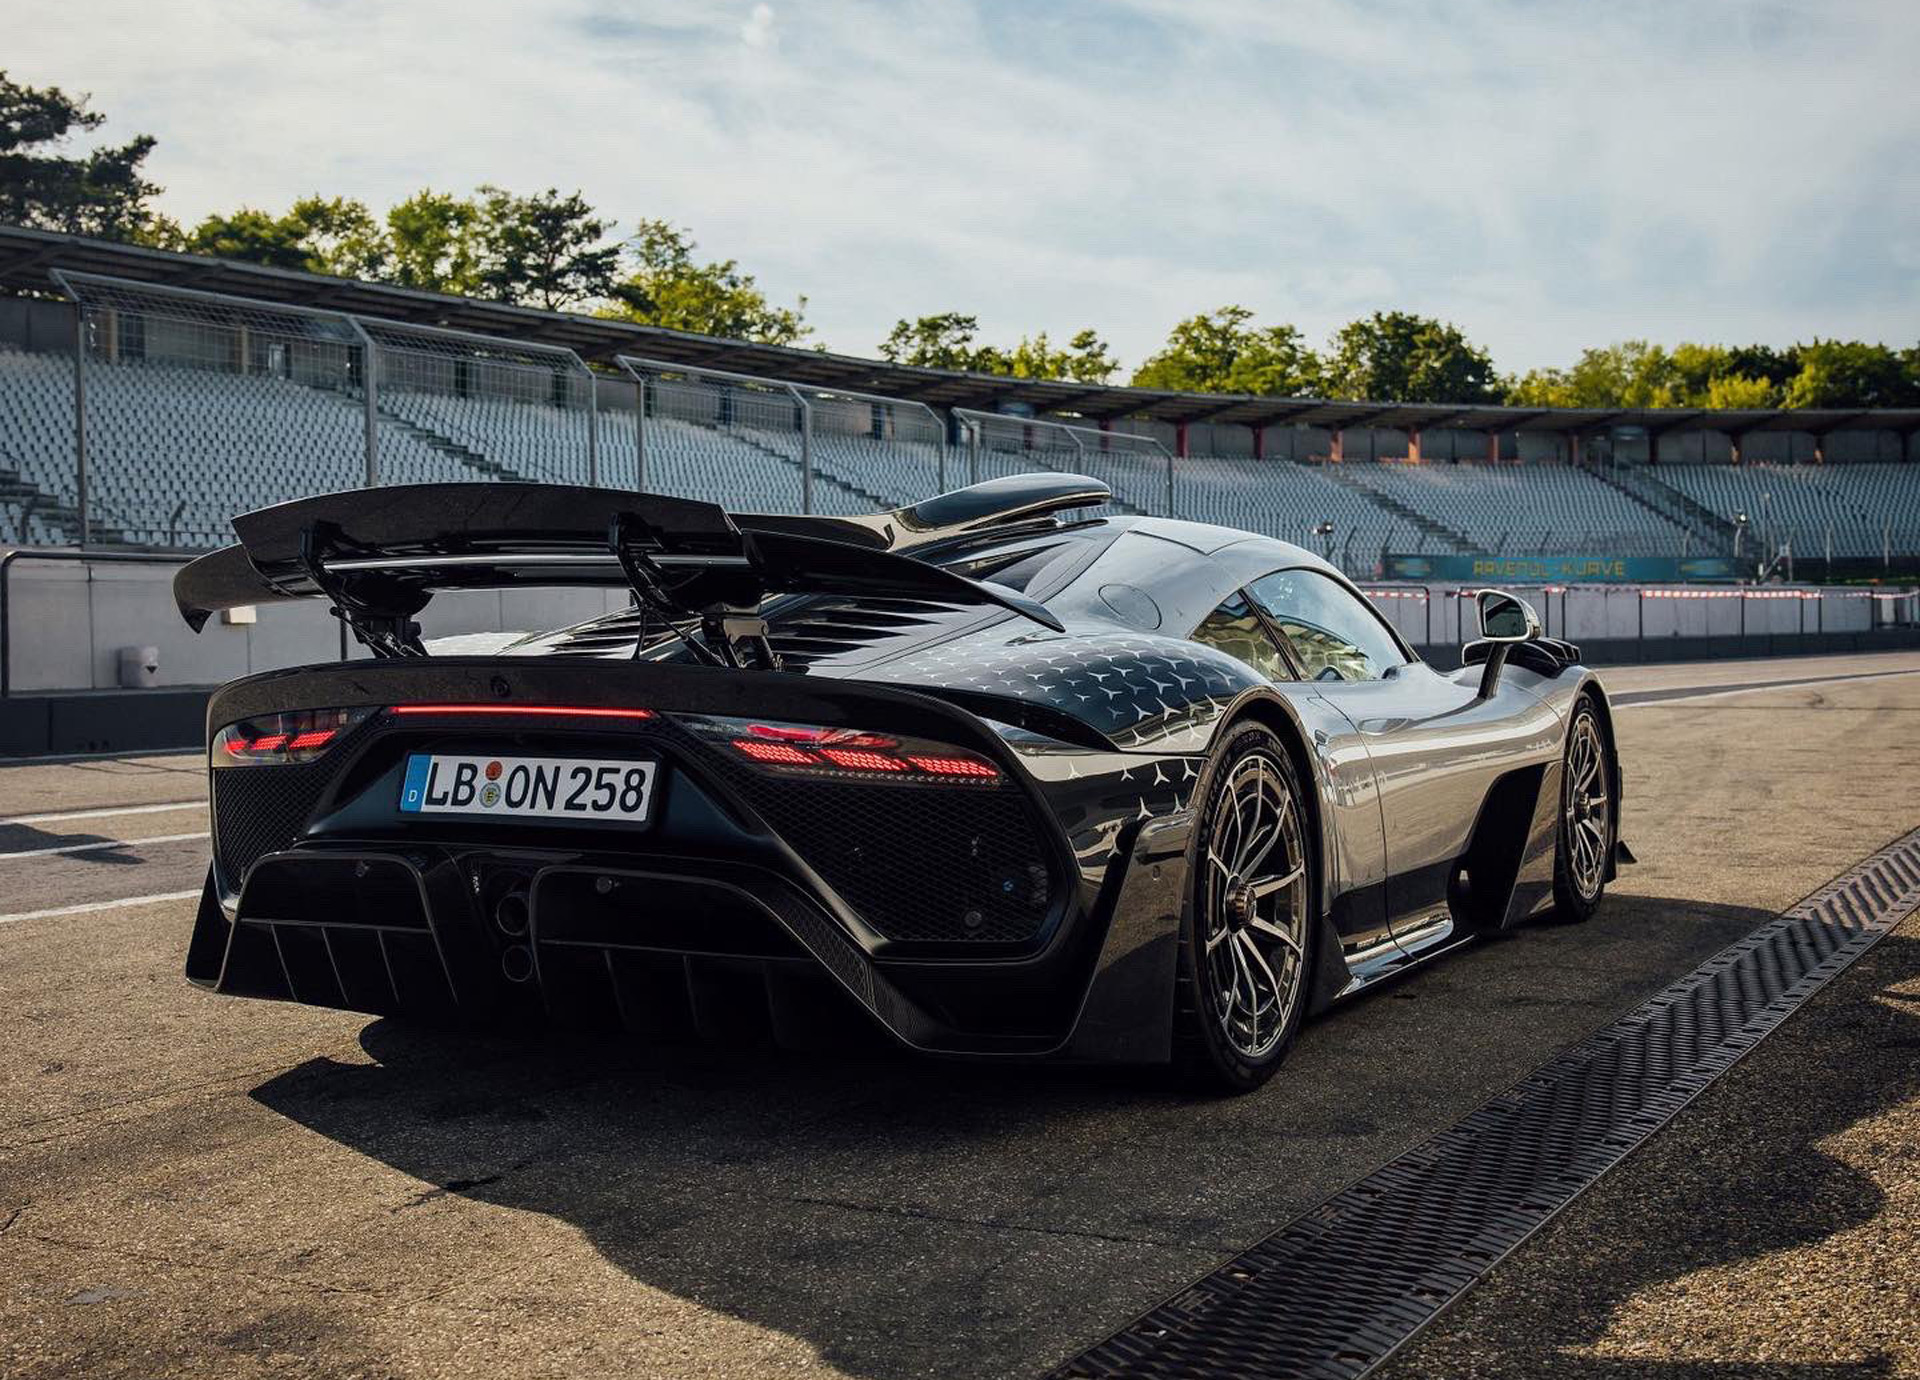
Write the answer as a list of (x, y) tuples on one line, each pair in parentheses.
[(1170, 508), (806, 450), (640, 432), (370, 391), (80, 422), (81, 506), (593, 427)]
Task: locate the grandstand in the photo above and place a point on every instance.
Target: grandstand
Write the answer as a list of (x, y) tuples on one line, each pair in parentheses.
[(197, 406)]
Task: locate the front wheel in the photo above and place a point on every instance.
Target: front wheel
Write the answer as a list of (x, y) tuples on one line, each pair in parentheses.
[(1584, 845), (1246, 939)]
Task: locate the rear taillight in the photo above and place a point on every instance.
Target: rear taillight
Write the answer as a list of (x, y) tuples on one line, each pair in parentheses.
[(844, 753), (279, 739)]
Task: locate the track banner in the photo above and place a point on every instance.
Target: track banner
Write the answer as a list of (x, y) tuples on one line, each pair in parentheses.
[(1558, 569)]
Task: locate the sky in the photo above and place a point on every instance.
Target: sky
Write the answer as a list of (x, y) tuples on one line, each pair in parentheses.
[(1546, 174)]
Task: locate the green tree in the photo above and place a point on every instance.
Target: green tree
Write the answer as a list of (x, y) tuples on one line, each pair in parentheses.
[(1776, 367), (341, 236), (546, 250), (667, 286), (1086, 358), (1631, 373), (435, 243), (1851, 373), (1397, 356), (1692, 371), (101, 192), (942, 341), (945, 340), (1223, 352), (253, 236), (317, 235), (1738, 390)]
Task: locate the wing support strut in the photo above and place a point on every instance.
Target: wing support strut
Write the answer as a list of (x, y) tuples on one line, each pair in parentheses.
[(380, 612)]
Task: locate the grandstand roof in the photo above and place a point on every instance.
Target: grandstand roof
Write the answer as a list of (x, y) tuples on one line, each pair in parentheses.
[(27, 257)]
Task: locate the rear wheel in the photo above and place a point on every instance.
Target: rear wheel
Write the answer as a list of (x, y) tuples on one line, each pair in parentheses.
[(1585, 842), (1246, 939)]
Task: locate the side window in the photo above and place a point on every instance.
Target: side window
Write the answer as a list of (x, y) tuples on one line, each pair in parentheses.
[(1236, 629), (1336, 635)]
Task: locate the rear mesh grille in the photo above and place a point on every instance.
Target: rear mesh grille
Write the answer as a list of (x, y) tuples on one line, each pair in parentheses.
[(938, 864), (262, 809)]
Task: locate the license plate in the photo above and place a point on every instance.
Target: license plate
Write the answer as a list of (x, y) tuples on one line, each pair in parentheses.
[(537, 788)]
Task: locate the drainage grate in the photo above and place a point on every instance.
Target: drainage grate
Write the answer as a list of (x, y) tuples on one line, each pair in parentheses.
[(1334, 1292)]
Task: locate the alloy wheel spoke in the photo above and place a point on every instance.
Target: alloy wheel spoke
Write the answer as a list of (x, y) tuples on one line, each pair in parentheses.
[(1259, 853), (1256, 959), (1266, 886), (1252, 831), (1252, 1001), (1261, 925)]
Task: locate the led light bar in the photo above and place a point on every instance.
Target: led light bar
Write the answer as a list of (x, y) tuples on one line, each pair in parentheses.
[(541, 711)]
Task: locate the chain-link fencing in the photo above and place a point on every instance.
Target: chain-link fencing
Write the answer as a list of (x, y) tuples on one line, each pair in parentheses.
[(189, 407)]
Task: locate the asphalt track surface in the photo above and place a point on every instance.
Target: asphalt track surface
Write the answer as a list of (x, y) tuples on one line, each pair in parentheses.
[(191, 1185)]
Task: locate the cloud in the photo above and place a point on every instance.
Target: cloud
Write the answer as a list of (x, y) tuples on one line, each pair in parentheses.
[(757, 32), (1546, 173)]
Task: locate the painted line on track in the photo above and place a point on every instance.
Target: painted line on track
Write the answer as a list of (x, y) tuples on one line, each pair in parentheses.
[(98, 845), (1628, 699), (97, 812), (88, 907)]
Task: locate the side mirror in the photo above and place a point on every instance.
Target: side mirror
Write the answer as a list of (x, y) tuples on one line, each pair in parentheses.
[(1504, 620)]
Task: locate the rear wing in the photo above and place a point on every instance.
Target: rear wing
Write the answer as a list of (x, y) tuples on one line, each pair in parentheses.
[(379, 555)]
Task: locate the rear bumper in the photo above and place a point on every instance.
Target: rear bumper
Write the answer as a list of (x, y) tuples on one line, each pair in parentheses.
[(708, 925), (730, 954)]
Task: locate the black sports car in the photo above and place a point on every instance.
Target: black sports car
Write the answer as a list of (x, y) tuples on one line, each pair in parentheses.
[(1009, 779)]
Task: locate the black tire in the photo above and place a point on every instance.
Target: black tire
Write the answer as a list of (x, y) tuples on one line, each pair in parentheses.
[(1220, 1043), (1587, 805)]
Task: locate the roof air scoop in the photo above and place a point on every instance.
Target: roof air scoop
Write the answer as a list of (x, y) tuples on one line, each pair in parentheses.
[(998, 502)]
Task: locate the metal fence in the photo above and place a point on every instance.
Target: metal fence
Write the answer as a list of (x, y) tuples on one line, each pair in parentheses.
[(1441, 615), (190, 406), (772, 445), (460, 407), (179, 408)]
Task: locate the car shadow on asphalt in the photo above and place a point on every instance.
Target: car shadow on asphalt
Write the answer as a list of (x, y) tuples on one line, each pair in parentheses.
[(909, 1216), (86, 848)]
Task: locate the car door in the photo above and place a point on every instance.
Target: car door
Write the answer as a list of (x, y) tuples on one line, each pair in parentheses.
[(1356, 864), (1436, 747)]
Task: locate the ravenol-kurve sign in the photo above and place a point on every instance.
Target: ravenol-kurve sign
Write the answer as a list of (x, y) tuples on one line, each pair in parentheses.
[(1527, 569)]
